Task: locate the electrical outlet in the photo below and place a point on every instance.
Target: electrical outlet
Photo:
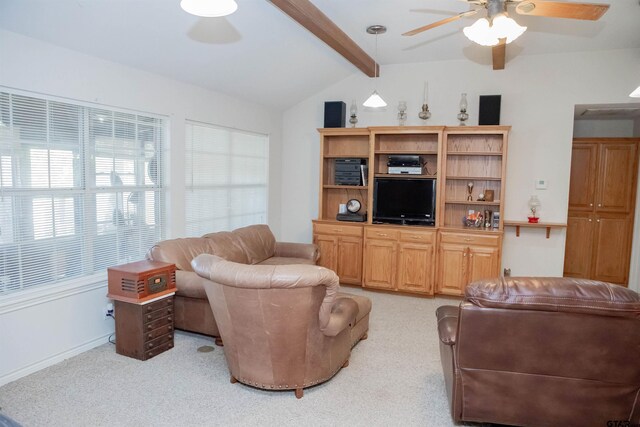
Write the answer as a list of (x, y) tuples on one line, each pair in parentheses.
[(507, 272), (108, 311)]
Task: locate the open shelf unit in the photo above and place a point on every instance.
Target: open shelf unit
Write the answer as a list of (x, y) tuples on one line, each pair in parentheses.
[(476, 156), (341, 143)]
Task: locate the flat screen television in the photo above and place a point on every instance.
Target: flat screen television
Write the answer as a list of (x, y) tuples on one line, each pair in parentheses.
[(405, 201)]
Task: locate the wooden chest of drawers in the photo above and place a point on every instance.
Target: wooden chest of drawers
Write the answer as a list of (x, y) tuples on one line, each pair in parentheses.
[(144, 330)]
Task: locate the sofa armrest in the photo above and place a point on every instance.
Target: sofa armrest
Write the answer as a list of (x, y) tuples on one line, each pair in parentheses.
[(448, 323), (297, 250), (343, 314)]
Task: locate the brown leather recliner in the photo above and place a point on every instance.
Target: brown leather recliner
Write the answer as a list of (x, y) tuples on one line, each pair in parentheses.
[(543, 352), (254, 244), (285, 327)]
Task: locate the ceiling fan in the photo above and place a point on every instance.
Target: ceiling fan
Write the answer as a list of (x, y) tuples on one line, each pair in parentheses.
[(498, 29)]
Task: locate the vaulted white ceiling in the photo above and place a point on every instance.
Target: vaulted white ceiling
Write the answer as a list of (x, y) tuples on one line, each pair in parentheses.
[(260, 54)]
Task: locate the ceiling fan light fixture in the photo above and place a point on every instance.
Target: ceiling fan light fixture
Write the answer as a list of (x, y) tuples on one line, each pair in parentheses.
[(209, 8), (635, 93), (375, 101), (487, 33)]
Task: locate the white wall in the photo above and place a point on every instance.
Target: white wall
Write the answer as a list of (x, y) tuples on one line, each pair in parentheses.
[(603, 128), (538, 98), (36, 333)]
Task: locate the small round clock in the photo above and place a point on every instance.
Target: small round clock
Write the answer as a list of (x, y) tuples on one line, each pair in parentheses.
[(353, 205)]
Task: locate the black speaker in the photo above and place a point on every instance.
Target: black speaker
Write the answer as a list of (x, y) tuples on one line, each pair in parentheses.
[(335, 113), (489, 110)]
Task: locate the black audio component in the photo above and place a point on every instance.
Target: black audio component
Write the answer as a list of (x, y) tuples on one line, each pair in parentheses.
[(489, 110), (335, 113)]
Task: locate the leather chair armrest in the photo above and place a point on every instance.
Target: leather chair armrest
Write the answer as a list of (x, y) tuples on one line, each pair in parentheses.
[(448, 323), (297, 250), (343, 315)]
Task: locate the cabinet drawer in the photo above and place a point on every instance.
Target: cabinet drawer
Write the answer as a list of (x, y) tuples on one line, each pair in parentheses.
[(381, 234), (157, 342), (418, 237), (159, 349), (470, 239), (151, 335), (344, 230), (155, 315), (168, 320), (157, 305)]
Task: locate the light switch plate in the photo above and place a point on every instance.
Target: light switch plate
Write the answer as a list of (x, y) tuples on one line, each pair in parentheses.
[(541, 184)]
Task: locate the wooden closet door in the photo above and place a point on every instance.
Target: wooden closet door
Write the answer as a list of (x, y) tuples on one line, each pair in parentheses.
[(578, 252), (612, 248), (616, 178), (584, 160)]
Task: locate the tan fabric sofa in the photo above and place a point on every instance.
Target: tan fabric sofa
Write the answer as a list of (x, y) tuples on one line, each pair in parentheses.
[(254, 244), (285, 327), (543, 352)]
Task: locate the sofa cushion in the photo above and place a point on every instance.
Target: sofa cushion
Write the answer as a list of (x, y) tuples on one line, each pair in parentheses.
[(257, 241), (190, 285), (558, 294), (181, 251), (280, 260)]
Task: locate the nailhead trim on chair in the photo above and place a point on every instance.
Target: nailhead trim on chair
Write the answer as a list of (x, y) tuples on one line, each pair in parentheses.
[(292, 387)]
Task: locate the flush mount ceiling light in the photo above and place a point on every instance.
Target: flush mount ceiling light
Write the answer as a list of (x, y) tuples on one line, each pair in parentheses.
[(209, 8), (635, 93), (375, 100)]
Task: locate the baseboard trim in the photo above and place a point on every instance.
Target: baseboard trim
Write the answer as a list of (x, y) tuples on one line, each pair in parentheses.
[(49, 361)]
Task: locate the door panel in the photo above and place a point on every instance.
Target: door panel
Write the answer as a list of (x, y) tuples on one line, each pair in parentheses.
[(483, 263), (613, 235), (578, 249), (328, 247), (380, 263), (616, 178), (350, 260), (452, 269), (415, 268), (584, 158)]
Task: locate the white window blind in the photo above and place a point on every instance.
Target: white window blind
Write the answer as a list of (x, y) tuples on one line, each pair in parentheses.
[(226, 178), (80, 189)]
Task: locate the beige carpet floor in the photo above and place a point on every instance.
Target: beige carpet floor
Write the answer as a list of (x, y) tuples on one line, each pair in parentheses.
[(394, 379)]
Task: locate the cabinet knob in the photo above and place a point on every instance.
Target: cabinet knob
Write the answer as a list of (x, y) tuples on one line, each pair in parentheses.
[(468, 239), (150, 345), (599, 205), (597, 220), (589, 219), (591, 204), (382, 234), (149, 317), (464, 254)]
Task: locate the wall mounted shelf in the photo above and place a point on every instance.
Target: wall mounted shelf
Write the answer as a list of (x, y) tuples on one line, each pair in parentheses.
[(546, 225)]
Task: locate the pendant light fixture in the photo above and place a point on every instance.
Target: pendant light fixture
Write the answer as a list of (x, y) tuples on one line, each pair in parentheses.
[(209, 8), (375, 100)]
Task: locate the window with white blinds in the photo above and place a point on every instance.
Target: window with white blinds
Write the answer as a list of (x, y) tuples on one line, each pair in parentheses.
[(226, 173), (80, 189)]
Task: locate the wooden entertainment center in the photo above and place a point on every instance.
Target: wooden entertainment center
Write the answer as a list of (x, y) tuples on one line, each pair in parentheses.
[(427, 260)]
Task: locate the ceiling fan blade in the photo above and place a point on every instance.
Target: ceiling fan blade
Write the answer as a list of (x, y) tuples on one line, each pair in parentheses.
[(556, 9), (441, 22), (499, 53)]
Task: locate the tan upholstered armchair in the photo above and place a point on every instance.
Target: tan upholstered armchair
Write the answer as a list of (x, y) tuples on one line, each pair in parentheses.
[(543, 352), (284, 327)]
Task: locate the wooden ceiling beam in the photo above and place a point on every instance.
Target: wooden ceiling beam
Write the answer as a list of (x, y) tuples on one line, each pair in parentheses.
[(311, 18)]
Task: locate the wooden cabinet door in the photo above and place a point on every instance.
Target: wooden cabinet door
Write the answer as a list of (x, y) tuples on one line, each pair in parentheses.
[(483, 263), (616, 178), (612, 235), (579, 245), (415, 268), (380, 263), (328, 247), (584, 160), (452, 269), (350, 260)]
